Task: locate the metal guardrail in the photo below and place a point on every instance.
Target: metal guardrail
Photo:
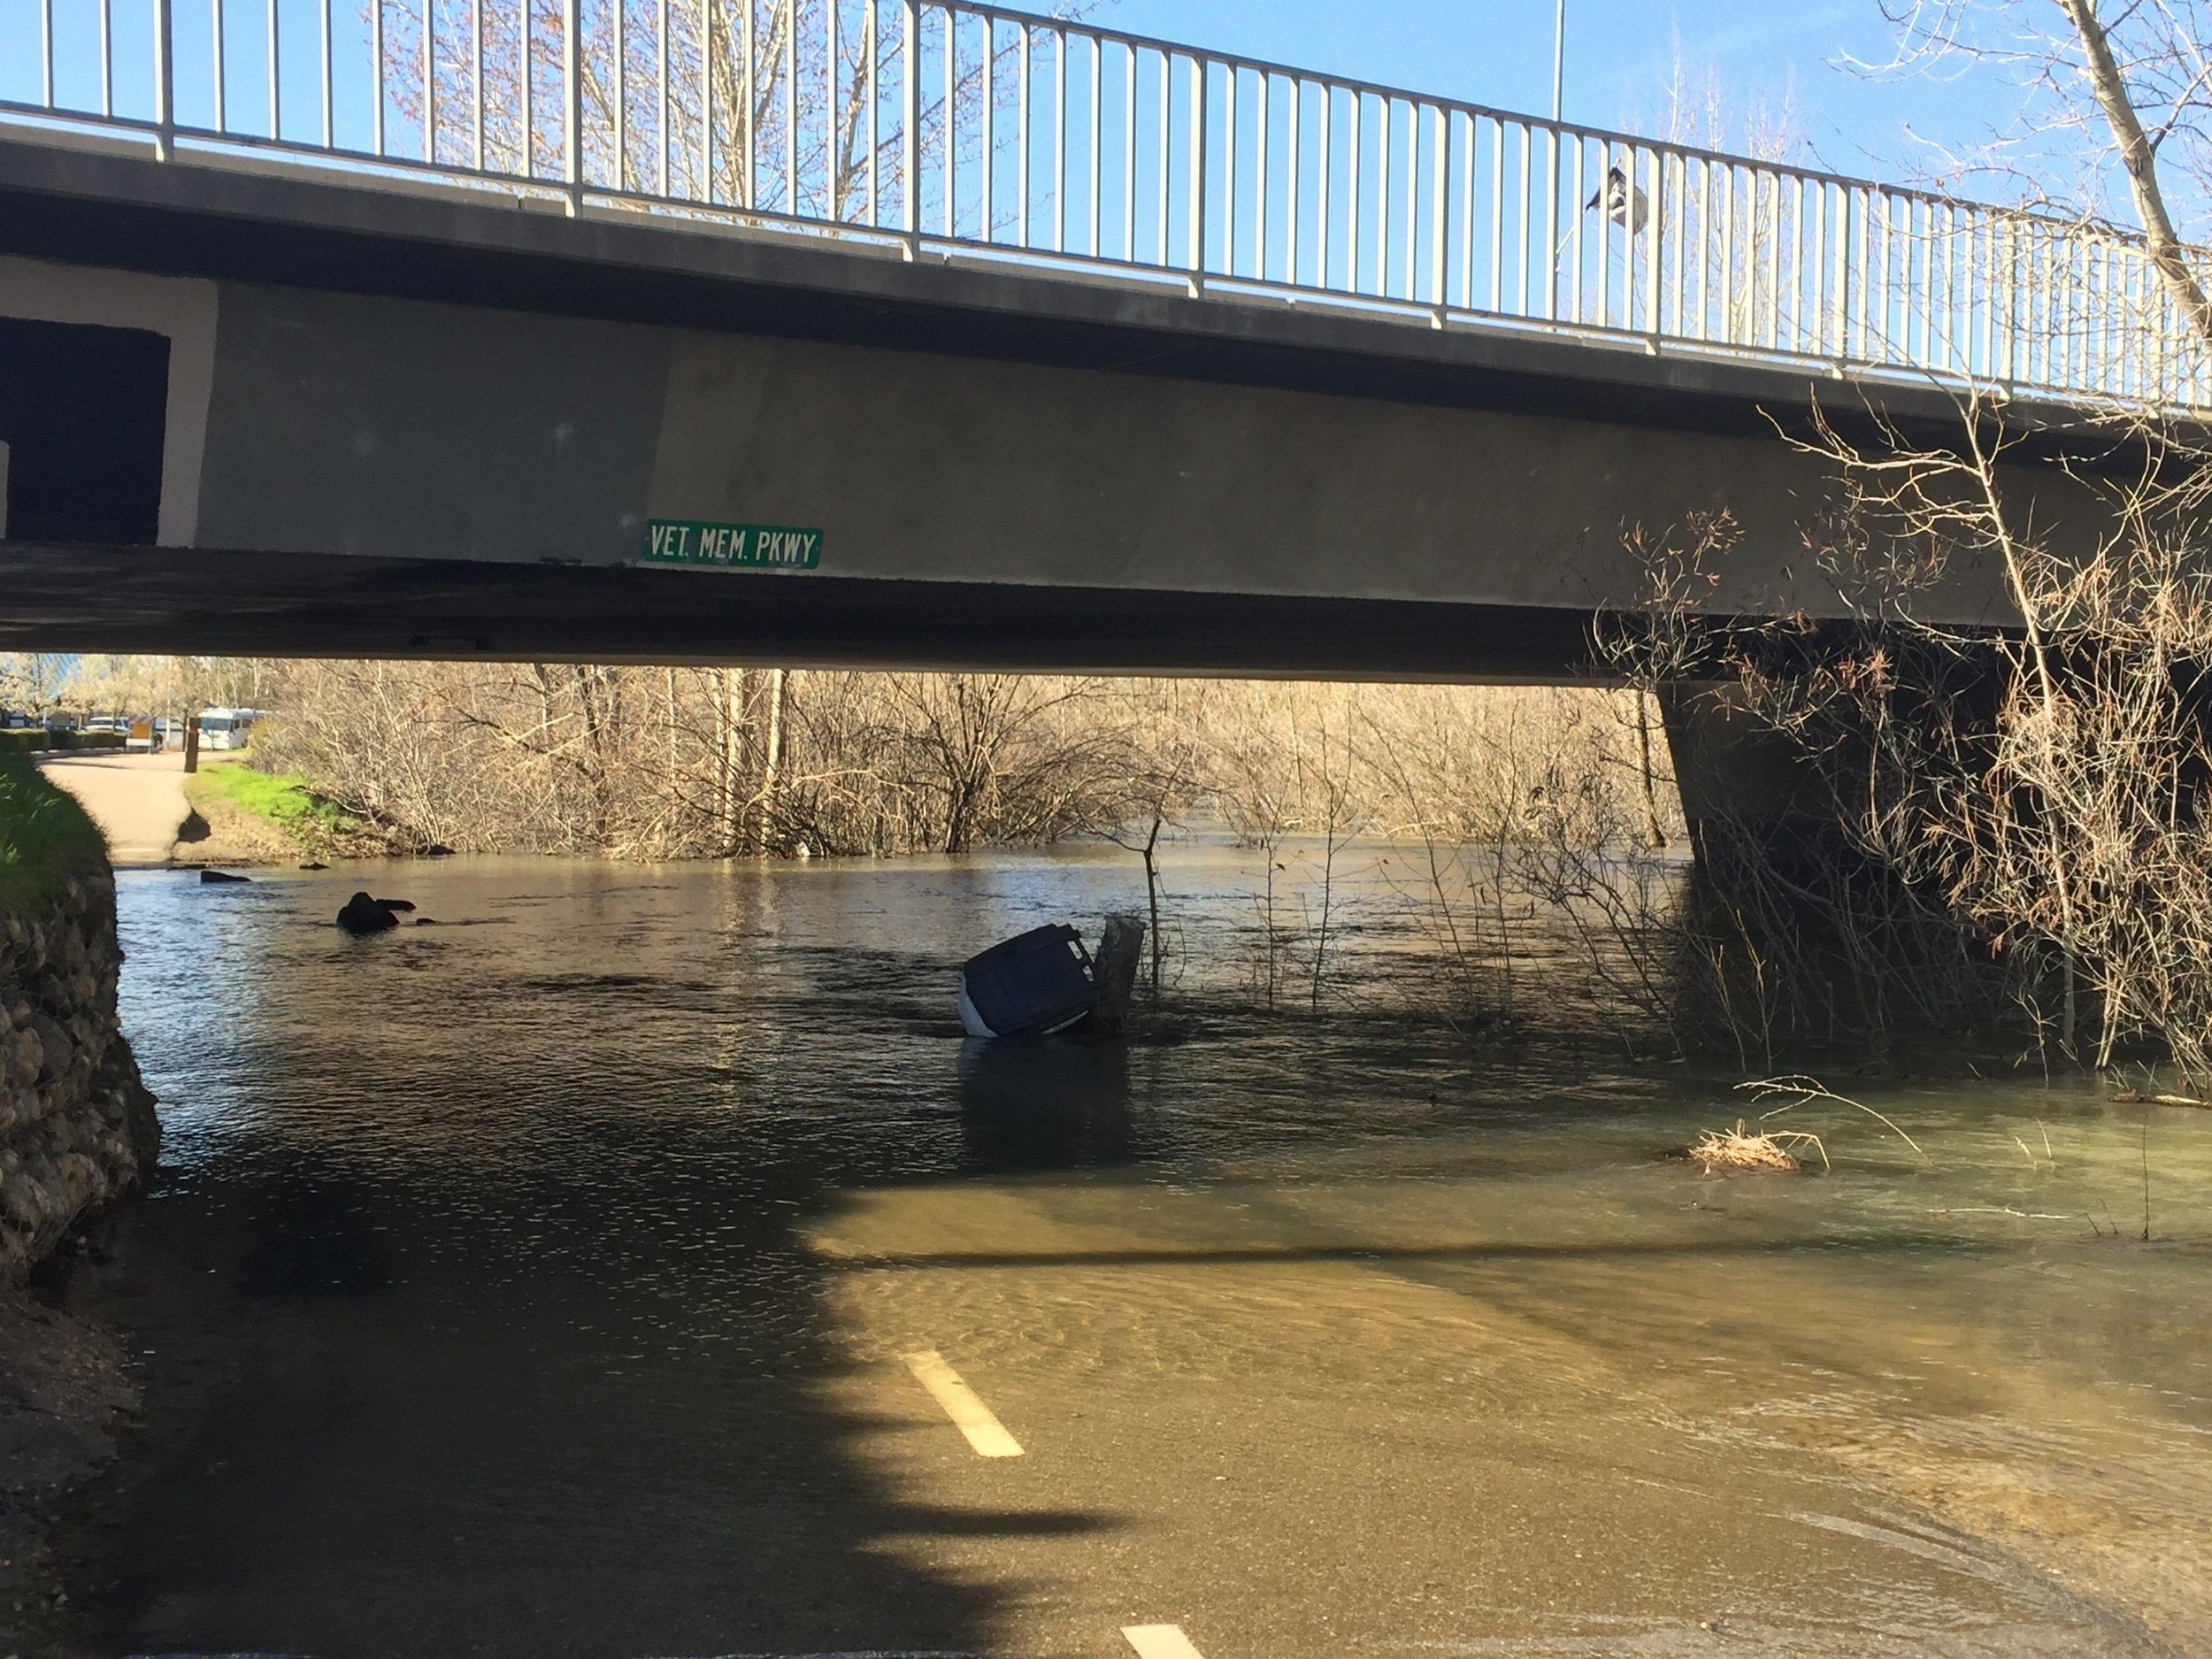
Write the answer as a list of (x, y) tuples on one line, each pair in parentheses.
[(948, 128)]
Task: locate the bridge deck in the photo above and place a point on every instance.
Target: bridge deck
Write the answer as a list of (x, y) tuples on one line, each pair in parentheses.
[(933, 129)]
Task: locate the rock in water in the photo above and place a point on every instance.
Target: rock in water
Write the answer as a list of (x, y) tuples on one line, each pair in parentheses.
[(365, 915), (396, 904), (216, 878)]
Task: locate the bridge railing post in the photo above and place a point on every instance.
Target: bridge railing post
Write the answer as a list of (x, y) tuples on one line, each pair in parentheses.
[(573, 100), (1554, 243), (2005, 367), (1198, 102), (910, 143), (1655, 319), (165, 83), (376, 79), (1440, 205)]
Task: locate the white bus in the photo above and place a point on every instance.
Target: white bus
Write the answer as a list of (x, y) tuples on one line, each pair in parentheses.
[(227, 728)]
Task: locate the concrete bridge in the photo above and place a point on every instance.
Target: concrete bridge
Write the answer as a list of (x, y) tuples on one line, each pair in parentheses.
[(953, 339)]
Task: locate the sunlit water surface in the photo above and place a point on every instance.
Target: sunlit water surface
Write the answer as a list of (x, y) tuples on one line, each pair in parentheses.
[(537, 1282)]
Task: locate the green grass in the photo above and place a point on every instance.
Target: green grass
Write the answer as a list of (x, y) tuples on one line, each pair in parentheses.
[(45, 838), (282, 799)]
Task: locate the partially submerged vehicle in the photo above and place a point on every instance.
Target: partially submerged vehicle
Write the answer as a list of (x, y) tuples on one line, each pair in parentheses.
[(1031, 984)]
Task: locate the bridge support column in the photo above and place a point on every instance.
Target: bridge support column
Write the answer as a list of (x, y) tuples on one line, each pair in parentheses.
[(1733, 767), (1795, 933)]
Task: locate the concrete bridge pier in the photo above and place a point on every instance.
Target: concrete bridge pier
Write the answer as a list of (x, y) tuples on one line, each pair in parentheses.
[(1732, 765), (1792, 929)]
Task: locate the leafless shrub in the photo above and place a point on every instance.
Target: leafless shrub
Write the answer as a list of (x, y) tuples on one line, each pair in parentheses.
[(647, 763)]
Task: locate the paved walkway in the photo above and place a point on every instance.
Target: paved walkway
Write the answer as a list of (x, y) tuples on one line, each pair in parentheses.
[(138, 800)]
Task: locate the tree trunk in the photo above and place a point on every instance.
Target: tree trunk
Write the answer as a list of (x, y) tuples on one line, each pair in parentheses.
[(1152, 899), (598, 747), (733, 717), (668, 801), (1658, 836), (2139, 158), (772, 759)]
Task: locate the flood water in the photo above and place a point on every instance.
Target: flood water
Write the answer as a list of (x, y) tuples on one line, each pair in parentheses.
[(542, 1283)]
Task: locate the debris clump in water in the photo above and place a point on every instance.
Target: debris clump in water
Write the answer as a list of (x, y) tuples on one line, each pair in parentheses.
[(1741, 1148)]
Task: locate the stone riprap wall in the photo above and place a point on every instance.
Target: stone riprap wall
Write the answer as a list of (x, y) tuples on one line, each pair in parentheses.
[(77, 1126)]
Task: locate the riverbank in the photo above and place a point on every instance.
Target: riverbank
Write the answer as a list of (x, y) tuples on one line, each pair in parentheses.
[(155, 814), (77, 1135), (243, 816)]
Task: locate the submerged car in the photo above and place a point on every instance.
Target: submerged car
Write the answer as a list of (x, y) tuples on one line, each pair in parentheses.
[(1031, 984)]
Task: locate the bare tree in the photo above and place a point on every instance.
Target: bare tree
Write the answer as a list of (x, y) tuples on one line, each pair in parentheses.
[(1163, 752), (33, 680)]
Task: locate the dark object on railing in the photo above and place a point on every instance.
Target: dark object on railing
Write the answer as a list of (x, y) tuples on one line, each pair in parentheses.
[(1624, 203), (1037, 982), (365, 915)]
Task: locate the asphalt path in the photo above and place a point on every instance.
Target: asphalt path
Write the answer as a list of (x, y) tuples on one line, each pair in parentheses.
[(1235, 1447), (137, 800)]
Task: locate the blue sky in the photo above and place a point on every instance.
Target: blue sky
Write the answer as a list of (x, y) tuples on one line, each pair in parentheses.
[(1619, 53)]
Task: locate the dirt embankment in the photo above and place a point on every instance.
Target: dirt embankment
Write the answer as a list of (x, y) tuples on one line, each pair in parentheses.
[(219, 833), (244, 816)]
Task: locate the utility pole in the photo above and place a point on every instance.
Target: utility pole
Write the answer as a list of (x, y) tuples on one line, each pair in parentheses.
[(1558, 60)]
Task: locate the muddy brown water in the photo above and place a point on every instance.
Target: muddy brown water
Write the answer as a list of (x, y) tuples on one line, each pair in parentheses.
[(540, 1283)]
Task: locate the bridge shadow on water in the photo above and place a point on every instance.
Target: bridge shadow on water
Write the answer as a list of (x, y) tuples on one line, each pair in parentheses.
[(483, 1308), (389, 1417)]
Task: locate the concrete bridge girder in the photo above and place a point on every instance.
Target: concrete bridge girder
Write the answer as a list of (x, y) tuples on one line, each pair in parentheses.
[(1138, 464)]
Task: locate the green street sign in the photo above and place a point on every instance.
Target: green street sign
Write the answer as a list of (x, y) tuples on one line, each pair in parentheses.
[(754, 546)]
